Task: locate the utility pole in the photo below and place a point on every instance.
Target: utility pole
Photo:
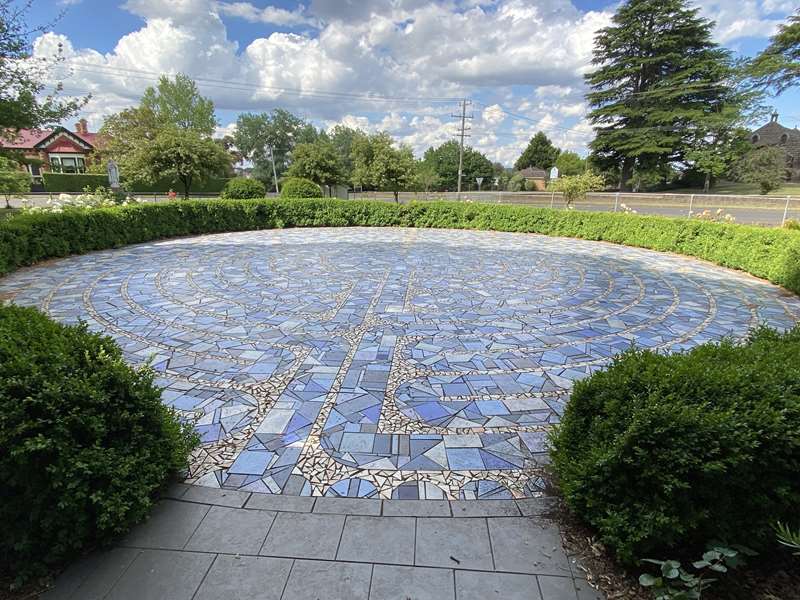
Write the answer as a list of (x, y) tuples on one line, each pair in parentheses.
[(462, 132), (274, 171)]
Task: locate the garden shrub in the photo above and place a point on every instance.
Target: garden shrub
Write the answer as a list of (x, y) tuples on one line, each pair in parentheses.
[(240, 188), (85, 441), (663, 453), (772, 254), (72, 182), (299, 187)]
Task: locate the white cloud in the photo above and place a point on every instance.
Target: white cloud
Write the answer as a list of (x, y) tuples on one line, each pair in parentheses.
[(528, 57), (268, 14)]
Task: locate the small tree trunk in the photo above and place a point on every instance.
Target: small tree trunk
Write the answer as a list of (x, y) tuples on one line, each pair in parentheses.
[(396, 197), (707, 183), (625, 174), (187, 184)]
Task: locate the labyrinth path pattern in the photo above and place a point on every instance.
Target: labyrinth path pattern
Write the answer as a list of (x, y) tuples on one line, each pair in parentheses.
[(391, 363)]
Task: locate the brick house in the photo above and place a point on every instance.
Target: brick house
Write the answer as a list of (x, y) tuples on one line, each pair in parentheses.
[(59, 150), (535, 178), (775, 134)]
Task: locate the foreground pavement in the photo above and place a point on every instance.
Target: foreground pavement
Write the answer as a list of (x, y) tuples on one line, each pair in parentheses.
[(208, 544)]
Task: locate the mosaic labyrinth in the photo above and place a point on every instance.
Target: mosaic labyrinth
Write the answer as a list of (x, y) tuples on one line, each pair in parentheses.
[(393, 363)]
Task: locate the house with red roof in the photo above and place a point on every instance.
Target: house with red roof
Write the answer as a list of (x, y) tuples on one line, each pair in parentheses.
[(58, 150)]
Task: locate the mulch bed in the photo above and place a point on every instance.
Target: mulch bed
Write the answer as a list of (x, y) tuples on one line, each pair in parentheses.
[(773, 577)]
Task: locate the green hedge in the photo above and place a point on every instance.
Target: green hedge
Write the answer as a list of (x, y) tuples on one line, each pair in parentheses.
[(72, 182), (85, 441), (300, 187), (212, 185), (662, 454), (772, 254), (240, 188)]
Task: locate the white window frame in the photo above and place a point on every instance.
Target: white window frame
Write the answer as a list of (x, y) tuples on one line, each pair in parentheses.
[(80, 161)]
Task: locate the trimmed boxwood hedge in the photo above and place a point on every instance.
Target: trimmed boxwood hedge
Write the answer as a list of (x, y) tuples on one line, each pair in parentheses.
[(72, 183), (85, 441), (772, 254), (662, 454)]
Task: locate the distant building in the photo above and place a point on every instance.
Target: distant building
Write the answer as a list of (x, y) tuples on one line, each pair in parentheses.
[(776, 135), (58, 150), (535, 179)]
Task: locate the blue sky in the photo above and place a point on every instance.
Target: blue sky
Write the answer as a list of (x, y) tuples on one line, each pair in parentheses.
[(520, 61)]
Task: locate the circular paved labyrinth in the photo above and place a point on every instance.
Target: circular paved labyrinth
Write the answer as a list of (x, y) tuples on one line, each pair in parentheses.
[(391, 363)]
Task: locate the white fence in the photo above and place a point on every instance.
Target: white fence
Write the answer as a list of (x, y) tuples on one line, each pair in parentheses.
[(757, 210)]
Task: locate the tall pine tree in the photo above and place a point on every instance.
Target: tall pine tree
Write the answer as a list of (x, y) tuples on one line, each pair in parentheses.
[(658, 77), (540, 153)]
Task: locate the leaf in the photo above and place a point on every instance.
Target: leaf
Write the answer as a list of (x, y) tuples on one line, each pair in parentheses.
[(701, 564), (648, 580)]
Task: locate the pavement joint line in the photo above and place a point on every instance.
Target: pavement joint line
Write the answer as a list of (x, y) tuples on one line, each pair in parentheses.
[(205, 576), (360, 562), (189, 539), (269, 529), (341, 535), (491, 546), (414, 555), (371, 576), (288, 577), (116, 581)]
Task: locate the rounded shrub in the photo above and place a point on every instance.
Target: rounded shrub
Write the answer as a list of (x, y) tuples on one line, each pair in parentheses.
[(242, 188), (669, 452), (299, 187), (85, 442)]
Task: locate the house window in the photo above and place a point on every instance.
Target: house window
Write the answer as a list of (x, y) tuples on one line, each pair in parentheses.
[(755, 138), (67, 164), (784, 138)]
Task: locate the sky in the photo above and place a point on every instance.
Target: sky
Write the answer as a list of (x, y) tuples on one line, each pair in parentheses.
[(382, 65)]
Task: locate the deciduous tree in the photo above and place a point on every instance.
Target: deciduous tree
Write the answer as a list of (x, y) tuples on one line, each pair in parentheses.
[(179, 104), (444, 160), (765, 166), (13, 182), (182, 154), (318, 161), (569, 163), (22, 79)]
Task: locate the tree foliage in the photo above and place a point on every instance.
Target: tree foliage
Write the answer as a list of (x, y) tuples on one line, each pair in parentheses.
[(179, 104), (659, 79), (569, 163), (444, 161), (280, 130), (540, 153), (778, 66), (378, 165), (765, 166), (13, 182), (183, 154), (22, 79), (575, 187), (318, 161)]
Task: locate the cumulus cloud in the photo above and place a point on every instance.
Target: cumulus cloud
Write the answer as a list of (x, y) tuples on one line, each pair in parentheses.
[(513, 54)]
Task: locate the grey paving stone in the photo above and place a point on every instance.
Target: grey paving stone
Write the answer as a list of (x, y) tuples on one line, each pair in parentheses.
[(170, 526), (471, 585), (209, 495), (391, 582), (231, 531), (304, 535), (327, 580), (587, 592), (245, 578), (557, 588), (348, 506), (378, 539), (524, 545), (453, 543), (105, 569), (162, 575), (535, 507), (484, 508), (175, 490), (281, 503), (416, 508)]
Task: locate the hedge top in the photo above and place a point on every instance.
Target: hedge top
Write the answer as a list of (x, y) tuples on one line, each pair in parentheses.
[(772, 254)]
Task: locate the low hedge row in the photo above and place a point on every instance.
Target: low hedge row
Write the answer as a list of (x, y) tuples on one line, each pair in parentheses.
[(662, 454), (73, 183), (85, 442), (772, 254)]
